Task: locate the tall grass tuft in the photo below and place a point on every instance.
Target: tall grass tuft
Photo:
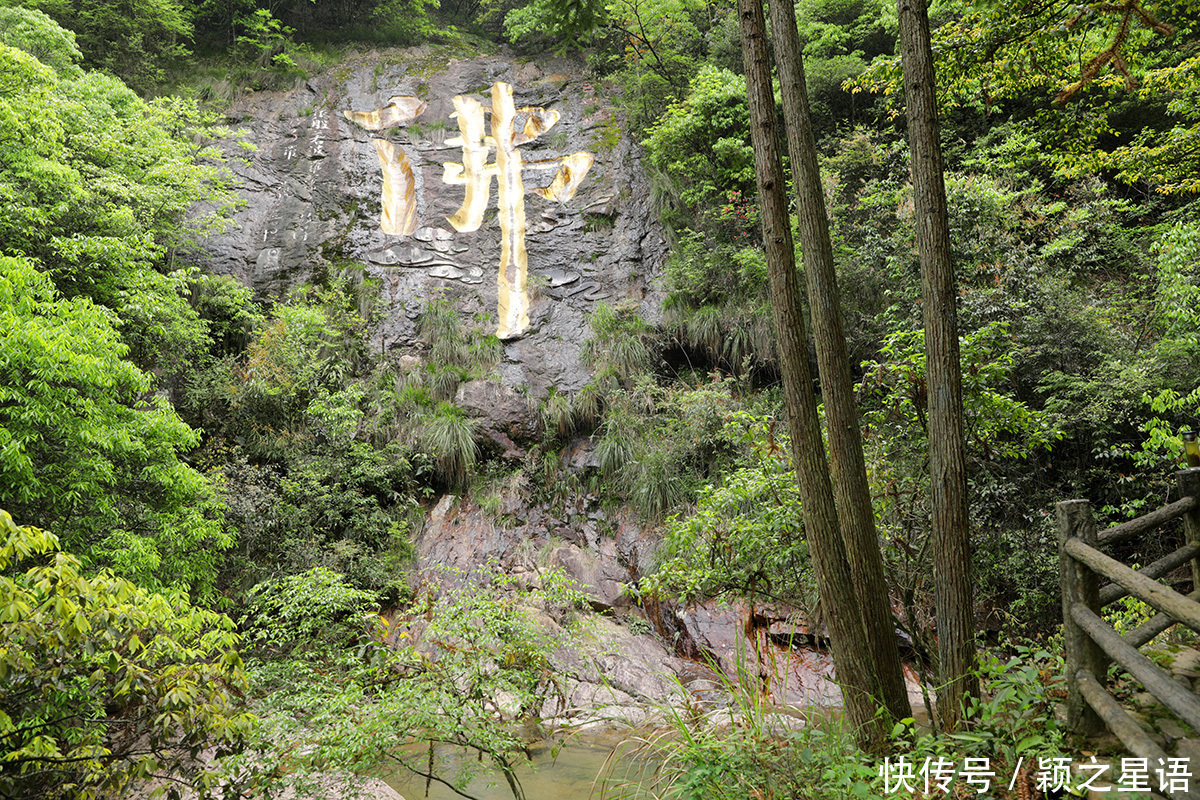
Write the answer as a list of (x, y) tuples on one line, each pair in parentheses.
[(617, 442), (448, 436), (442, 381), (749, 748), (703, 331), (451, 344), (439, 323), (591, 400), (557, 414), (620, 340), (654, 482)]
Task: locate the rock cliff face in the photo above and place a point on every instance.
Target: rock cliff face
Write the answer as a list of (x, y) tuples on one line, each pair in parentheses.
[(636, 655), (315, 204), (314, 185)]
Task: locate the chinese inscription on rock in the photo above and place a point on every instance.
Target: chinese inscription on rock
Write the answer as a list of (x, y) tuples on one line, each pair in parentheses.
[(475, 173)]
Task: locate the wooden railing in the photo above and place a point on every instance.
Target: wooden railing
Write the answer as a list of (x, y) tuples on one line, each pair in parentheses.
[(1092, 644)]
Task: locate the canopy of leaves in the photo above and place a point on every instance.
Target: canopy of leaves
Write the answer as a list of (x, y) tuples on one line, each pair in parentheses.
[(135, 40), (1107, 86), (699, 148), (86, 447), (305, 608), (841, 37), (746, 537), (324, 447), (103, 683), (565, 21), (97, 185), (39, 36)]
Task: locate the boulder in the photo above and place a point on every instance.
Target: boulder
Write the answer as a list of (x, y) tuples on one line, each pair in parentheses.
[(502, 409), (597, 574)]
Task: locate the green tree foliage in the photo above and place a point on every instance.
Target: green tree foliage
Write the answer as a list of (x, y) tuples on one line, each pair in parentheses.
[(1168, 376), (103, 683), (746, 537), (38, 35), (661, 41), (565, 21), (228, 310), (1177, 295), (461, 665), (86, 447), (302, 429), (703, 168), (266, 39), (1001, 433), (135, 41), (655, 41), (700, 147), (282, 35), (325, 448), (1102, 86), (345, 507), (97, 184), (659, 446), (840, 38), (296, 611), (307, 349), (32, 142), (1066, 273), (646, 50)]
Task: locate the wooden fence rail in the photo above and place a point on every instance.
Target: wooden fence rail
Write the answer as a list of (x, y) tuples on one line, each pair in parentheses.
[(1092, 644)]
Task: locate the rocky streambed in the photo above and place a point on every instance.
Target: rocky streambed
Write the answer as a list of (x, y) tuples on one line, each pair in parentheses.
[(634, 658)]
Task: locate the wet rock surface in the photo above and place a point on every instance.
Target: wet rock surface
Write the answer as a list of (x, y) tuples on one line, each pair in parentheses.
[(635, 655), (312, 191)]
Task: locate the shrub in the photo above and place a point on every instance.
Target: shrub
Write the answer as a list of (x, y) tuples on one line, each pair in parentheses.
[(314, 606), (87, 660)]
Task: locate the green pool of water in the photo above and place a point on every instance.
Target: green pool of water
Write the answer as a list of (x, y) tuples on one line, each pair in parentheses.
[(581, 769)]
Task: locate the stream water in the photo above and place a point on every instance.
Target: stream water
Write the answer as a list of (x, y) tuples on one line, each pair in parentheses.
[(799, 680), (579, 770)]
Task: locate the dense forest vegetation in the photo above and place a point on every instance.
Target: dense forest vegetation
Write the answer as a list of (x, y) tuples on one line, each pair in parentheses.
[(208, 496)]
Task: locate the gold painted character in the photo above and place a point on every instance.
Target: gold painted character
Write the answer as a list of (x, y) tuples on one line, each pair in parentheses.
[(399, 214), (475, 175)]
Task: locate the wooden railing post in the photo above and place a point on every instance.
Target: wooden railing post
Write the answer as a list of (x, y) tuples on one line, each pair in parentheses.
[(1188, 481), (1079, 585)]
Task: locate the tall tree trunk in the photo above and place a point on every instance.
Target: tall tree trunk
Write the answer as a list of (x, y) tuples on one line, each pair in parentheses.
[(855, 510), (947, 447), (835, 582)]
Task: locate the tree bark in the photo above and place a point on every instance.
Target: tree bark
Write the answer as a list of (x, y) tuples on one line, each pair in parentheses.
[(947, 447), (853, 494), (835, 582)]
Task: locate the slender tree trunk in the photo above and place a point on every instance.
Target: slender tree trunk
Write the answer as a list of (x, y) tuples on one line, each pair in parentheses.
[(947, 447), (855, 510), (835, 582)]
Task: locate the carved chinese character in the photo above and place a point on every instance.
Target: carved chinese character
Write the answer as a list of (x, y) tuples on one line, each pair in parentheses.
[(475, 173), (399, 214)]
